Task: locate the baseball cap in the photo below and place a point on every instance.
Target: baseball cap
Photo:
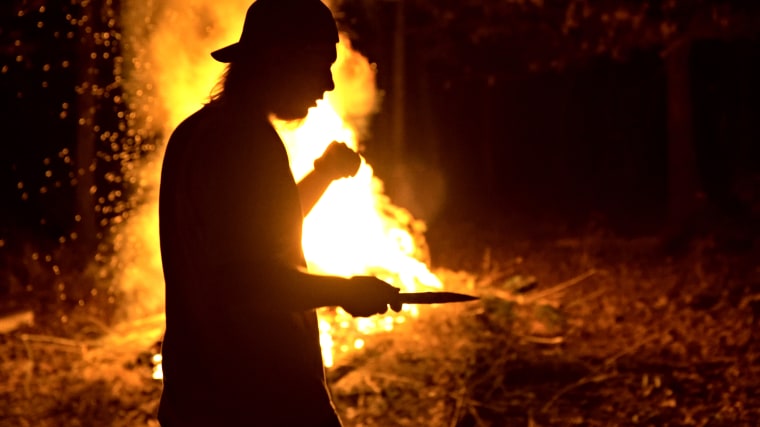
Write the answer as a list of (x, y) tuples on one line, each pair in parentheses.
[(281, 22)]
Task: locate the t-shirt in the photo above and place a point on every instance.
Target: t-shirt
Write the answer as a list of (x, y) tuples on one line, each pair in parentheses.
[(230, 228)]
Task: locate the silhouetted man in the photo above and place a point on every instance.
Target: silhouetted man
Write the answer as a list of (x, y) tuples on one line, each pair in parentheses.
[(241, 345)]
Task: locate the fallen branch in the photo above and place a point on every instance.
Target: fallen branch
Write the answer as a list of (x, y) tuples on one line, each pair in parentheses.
[(583, 381), (746, 301), (630, 349), (14, 320), (47, 339), (457, 407), (598, 377), (478, 420), (543, 340), (587, 298), (561, 286)]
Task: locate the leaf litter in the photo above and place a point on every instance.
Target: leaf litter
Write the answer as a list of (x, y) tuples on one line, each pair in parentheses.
[(592, 331)]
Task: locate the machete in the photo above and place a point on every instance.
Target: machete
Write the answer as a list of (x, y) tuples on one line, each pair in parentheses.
[(433, 297)]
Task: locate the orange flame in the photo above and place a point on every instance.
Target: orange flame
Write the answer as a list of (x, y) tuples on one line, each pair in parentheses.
[(353, 230)]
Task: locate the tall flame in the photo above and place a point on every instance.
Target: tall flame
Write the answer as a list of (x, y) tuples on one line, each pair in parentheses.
[(354, 229)]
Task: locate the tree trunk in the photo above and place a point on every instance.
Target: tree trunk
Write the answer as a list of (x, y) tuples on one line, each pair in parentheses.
[(399, 90), (488, 171), (683, 183)]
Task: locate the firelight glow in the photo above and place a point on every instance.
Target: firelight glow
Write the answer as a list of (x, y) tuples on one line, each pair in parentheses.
[(353, 230)]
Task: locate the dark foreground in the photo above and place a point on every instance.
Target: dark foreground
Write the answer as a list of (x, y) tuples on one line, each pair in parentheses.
[(578, 329)]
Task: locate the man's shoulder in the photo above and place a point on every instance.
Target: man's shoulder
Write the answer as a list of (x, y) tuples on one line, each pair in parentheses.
[(225, 136), (196, 122), (225, 123), (189, 126)]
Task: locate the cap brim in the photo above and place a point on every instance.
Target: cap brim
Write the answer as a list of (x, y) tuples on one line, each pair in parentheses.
[(226, 54)]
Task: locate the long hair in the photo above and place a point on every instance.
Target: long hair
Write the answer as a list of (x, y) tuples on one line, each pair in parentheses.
[(250, 83), (235, 83), (218, 90)]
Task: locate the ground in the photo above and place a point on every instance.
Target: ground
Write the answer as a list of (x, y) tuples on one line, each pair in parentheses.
[(586, 328)]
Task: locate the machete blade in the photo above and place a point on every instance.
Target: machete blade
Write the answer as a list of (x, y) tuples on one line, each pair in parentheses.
[(433, 297)]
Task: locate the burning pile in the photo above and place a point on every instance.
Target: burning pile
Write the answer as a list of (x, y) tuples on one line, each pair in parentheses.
[(353, 230)]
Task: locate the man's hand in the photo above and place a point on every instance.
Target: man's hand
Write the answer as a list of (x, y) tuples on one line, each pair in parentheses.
[(365, 296), (338, 161)]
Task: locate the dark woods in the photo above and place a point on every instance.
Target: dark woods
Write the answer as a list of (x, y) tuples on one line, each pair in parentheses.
[(637, 117), (70, 136)]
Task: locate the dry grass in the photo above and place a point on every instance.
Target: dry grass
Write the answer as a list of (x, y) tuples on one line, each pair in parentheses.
[(588, 331)]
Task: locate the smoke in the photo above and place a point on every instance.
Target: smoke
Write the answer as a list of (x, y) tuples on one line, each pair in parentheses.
[(169, 75), (170, 43)]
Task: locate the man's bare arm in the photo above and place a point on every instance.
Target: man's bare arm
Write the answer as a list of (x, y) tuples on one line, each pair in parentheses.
[(360, 295), (338, 161), (311, 188), (248, 287)]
